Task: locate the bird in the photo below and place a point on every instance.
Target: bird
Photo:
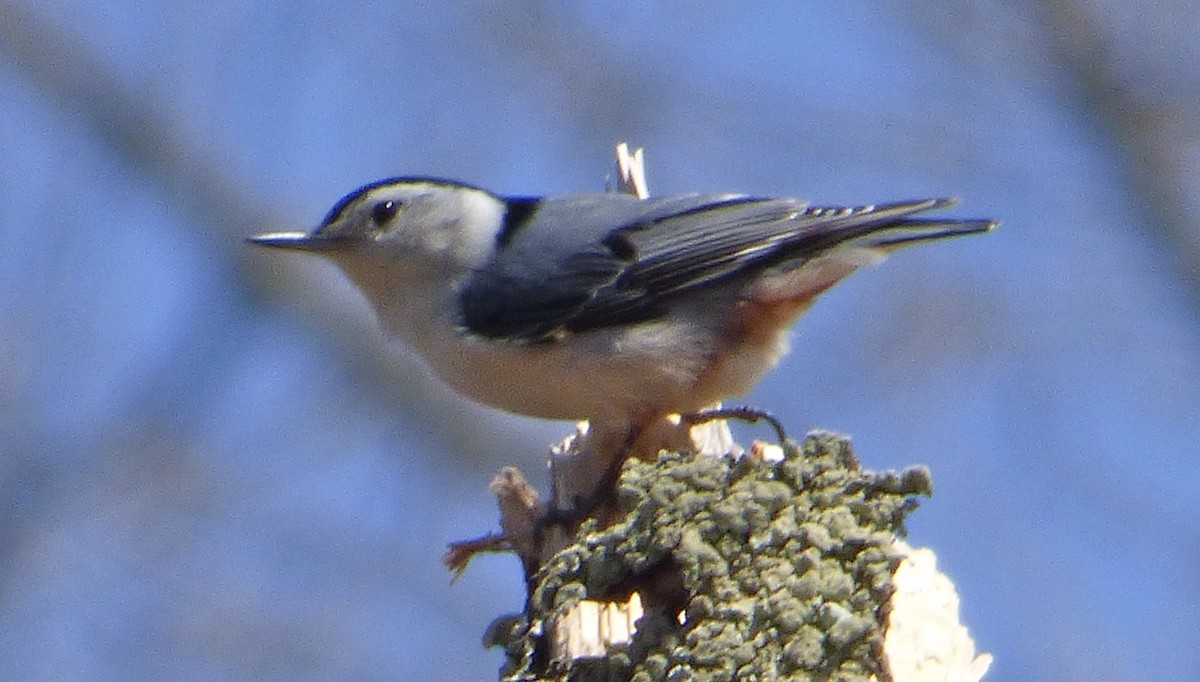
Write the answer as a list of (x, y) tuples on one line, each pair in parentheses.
[(602, 307)]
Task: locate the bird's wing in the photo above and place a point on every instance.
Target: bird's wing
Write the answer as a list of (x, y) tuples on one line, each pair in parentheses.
[(633, 258)]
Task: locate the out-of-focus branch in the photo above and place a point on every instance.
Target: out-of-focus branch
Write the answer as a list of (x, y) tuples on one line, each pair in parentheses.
[(1143, 103), (1146, 129), (61, 66), (59, 63)]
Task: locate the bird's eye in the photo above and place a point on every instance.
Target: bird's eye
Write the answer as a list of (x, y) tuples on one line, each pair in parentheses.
[(384, 211)]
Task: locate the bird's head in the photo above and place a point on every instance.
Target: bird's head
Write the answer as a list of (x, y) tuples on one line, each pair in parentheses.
[(403, 228)]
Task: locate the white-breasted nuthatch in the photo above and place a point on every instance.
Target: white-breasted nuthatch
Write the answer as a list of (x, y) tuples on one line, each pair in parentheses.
[(602, 307)]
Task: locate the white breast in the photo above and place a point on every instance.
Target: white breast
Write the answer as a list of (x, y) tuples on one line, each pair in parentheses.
[(647, 368)]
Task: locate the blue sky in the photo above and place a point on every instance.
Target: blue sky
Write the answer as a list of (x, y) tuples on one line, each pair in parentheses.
[(212, 469)]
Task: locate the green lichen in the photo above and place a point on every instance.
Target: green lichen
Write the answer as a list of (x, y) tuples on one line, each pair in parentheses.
[(785, 567)]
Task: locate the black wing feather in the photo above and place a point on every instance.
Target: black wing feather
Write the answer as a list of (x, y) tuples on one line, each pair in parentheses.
[(640, 256)]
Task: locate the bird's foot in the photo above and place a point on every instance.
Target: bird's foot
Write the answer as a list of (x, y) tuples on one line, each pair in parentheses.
[(747, 414)]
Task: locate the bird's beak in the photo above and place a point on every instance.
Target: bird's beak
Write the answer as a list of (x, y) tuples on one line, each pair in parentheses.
[(295, 241)]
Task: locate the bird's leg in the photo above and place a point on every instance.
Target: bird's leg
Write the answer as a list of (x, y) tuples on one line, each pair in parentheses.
[(606, 487), (746, 414), (585, 471)]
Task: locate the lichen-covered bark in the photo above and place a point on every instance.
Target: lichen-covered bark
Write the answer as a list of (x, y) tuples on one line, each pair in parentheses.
[(780, 570)]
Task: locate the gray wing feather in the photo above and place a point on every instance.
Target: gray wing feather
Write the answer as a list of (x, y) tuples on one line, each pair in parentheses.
[(626, 260)]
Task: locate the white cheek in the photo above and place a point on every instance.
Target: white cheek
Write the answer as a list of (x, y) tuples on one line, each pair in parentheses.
[(436, 242), (472, 248)]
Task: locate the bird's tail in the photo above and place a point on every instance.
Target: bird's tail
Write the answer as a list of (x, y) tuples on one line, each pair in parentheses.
[(888, 227)]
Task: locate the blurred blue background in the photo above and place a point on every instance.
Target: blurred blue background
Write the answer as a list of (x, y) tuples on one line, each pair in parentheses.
[(210, 468)]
